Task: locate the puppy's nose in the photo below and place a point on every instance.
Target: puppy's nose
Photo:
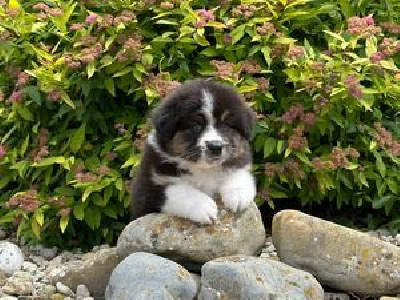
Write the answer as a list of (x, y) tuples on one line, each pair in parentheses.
[(215, 147)]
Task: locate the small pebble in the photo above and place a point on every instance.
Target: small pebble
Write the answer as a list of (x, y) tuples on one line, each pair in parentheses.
[(82, 291), (62, 288)]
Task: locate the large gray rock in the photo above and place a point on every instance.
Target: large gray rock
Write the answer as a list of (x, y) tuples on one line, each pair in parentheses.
[(337, 256), (240, 277), (11, 257), (146, 276), (191, 244), (93, 271)]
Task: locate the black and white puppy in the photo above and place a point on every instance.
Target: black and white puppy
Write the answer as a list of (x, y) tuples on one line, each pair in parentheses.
[(198, 149)]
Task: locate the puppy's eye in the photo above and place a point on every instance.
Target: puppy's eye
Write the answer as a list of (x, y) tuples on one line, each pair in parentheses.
[(225, 116), (196, 128)]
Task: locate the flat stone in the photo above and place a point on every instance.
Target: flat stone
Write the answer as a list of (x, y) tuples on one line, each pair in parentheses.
[(241, 277), (94, 273), (337, 256), (146, 276), (191, 244), (11, 257)]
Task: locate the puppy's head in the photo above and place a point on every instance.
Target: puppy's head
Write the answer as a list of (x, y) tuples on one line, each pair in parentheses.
[(203, 123)]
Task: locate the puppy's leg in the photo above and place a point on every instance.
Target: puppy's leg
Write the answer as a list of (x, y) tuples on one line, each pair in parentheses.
[(238, 190), (185, 201)]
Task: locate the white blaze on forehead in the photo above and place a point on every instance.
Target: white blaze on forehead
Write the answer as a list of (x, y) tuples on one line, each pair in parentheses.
[(210, 133)]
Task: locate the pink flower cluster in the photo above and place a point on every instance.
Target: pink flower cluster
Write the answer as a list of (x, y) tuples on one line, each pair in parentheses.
[(250, 67), (27, 201), (163, 87), (296, 52), (290, 168), (353, 86), (131, 50), (266, 28), (244, 10), (205, 16), (363, 27), (297, 141), (166, 5), (224, 69), (42, 149), (391, 27), (386, 140), (263, 84), (46, 11), (339, 158), (3, 151)]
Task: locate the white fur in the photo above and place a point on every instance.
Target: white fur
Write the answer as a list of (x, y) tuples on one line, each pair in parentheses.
[(238, 189), (210, 134), (185, 201)]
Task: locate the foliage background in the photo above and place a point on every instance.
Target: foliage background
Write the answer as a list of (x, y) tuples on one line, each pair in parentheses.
[(77, 79)]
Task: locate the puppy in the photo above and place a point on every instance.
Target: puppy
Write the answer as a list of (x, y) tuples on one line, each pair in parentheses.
[(198, 149)]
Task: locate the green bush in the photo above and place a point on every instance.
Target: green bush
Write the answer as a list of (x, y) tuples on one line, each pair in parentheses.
[(78, 78)]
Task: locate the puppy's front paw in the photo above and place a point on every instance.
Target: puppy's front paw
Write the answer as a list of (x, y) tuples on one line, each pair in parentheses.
[(185, 201), (238, 191), (204, 210)]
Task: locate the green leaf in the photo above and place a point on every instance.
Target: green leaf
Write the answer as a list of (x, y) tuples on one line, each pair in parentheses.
[(118, 184), (33, 93), (25, 145), (93, 216), (77, 138), (266, 52), (379, 202), (66, 99), (279, 146), (64, 223), (166, 22), (36, 228), (388, 64), (50, 161), (79, 211), (109, 83), (209, 52), (86, 193), (91, 69), (393, 185), (287, 152), (379, 163), (238, 33), (335, 35), (371, 46), (277, 194), (39, 216), (201, 40), (110, 211), (132, 161), (14, 4), (24, 112), (247, 88), (362, 179), (269, 146)]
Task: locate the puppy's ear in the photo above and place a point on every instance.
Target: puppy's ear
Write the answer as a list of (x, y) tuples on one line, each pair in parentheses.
[(165, 121), (248, 120)]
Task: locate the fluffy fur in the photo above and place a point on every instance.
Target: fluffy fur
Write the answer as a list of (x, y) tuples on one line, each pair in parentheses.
[(198, 149)]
